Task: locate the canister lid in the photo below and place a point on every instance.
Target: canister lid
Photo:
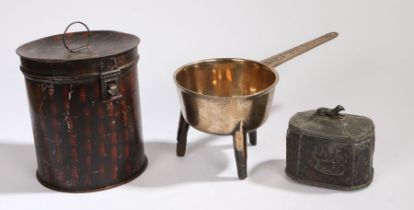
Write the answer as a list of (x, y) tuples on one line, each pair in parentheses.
[(78, 56), (330, 124), (78, 46)]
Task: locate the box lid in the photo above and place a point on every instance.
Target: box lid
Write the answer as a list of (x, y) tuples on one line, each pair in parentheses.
[(330, 124)]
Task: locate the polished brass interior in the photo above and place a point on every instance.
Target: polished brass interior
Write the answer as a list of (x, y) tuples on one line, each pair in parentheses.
[(226, 77)]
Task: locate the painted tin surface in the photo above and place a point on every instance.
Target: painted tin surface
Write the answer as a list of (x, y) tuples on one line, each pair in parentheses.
[(329, 149), (85, 110)]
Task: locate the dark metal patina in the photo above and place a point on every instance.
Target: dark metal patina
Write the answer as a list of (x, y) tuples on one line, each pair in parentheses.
[(85, 109), (329, 149)]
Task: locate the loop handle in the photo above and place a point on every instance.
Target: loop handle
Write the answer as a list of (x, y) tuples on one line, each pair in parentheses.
[(73, 50)]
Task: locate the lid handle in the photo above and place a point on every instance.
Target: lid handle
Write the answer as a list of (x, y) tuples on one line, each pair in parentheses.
[(333, 113), (73, 50)]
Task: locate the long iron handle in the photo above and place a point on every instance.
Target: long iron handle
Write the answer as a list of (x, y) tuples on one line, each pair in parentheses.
[(289, 54)]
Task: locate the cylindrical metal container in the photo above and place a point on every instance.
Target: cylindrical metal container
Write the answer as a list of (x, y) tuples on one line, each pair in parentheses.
[(84, 104)]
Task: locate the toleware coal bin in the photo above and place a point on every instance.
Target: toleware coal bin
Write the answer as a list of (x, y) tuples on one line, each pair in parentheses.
[(84, 104), (228, 96), (329, 149)]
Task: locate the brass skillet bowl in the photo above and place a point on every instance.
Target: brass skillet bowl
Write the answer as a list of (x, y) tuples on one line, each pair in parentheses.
[(218, 94)]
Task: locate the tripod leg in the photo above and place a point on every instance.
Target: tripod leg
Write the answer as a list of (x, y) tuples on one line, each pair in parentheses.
[(253, 137), (239, 143), (182, 136)]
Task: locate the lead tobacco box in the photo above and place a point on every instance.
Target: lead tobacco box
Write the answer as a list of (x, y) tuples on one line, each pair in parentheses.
[(329, 149)]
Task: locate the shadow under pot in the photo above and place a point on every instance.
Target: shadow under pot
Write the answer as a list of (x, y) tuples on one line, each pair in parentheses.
[(84, 104)]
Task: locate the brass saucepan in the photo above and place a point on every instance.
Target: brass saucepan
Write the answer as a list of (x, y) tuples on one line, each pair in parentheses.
[(231, 96)]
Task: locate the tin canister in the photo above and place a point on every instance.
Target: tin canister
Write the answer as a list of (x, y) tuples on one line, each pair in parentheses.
[(84, 104), (329, 149)]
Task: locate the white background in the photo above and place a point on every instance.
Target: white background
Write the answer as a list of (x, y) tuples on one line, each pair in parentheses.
[(368, 69)]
